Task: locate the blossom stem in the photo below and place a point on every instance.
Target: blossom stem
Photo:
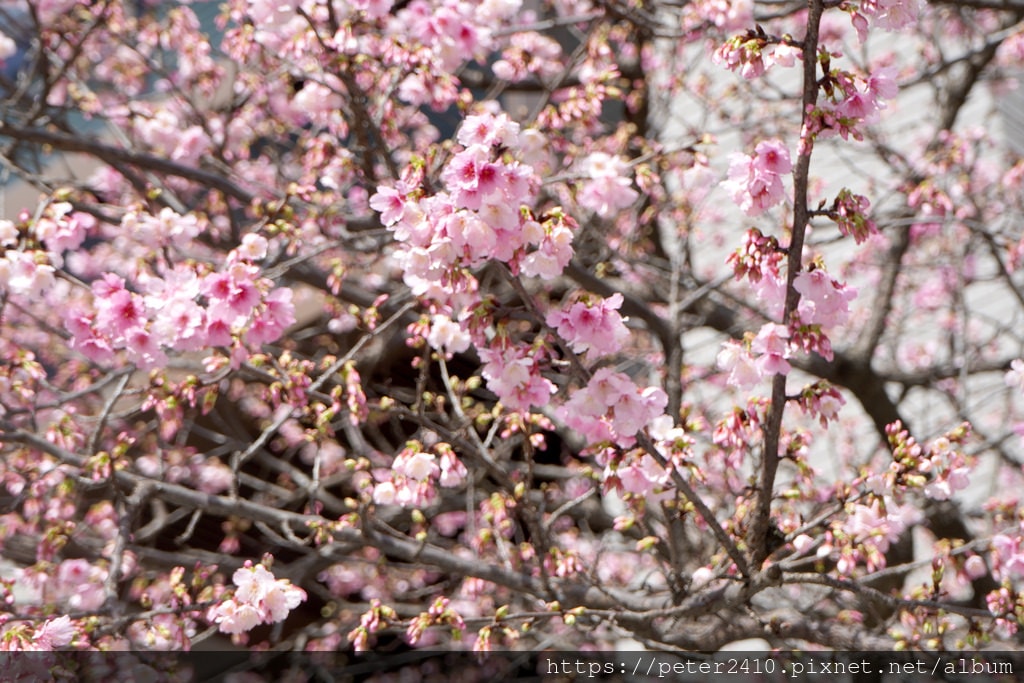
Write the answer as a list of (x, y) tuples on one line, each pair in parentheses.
[(758, 533)]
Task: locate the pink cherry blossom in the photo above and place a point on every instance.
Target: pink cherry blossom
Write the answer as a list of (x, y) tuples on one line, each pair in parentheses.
[(755, 181), (488, 130), (612, 407), (516, 379), (874, 529), (642, 476), (608, 188), (260, 598), (118, 310), (270, 14), (850, 212), (453, 471), (865, 98), (62, 230), (80, 584), (8, 233), (273, 318), (743, 55), (26, 274), (772, 342), (232, 293), (743, 372), (416, 465), (554, 251), (824, 300), (143, 348), (385, 493), (374, 9), (389, 203), (822, 400), (1008, 555), (168, 227), (473, 237), (253, 247), (448, 335), (471, 176), (891, 15), (55, 633), (280, 599), (592, 326), (235, 617)]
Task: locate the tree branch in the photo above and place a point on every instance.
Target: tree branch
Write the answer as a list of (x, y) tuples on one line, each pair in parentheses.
[(758, 535), (117, 155)]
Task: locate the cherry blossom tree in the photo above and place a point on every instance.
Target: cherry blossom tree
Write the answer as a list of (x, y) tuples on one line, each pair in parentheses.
[(503, 324)]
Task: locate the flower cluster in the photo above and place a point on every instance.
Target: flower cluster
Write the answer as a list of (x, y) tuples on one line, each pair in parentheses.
[(259, 598), (207, 474), (735, 359), (441, 612), (54, 633), (452, 31), (481, 215), (75, 584), (739, 429), (1008, 608), (166, 134), (374, 619), (822, 400), (27, 270), (810, 339), (164, 632), (529, 54), (852, 100), (61, 229), (772, 346), (612, 408), (939, 470), (756, 358), (513, 373), (321, 158), (891, 15), (26, 273), (1008, 556), (607, 187), (850, 212), (760, 261), (183, 311), (948, 467), (447, 335), (167, 228), (865, 97), (824, 301), (866, 534), (753, 53), (759, 255), (590, 325), (415, 473), (756, 181), (638, 473), (726, 16)]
